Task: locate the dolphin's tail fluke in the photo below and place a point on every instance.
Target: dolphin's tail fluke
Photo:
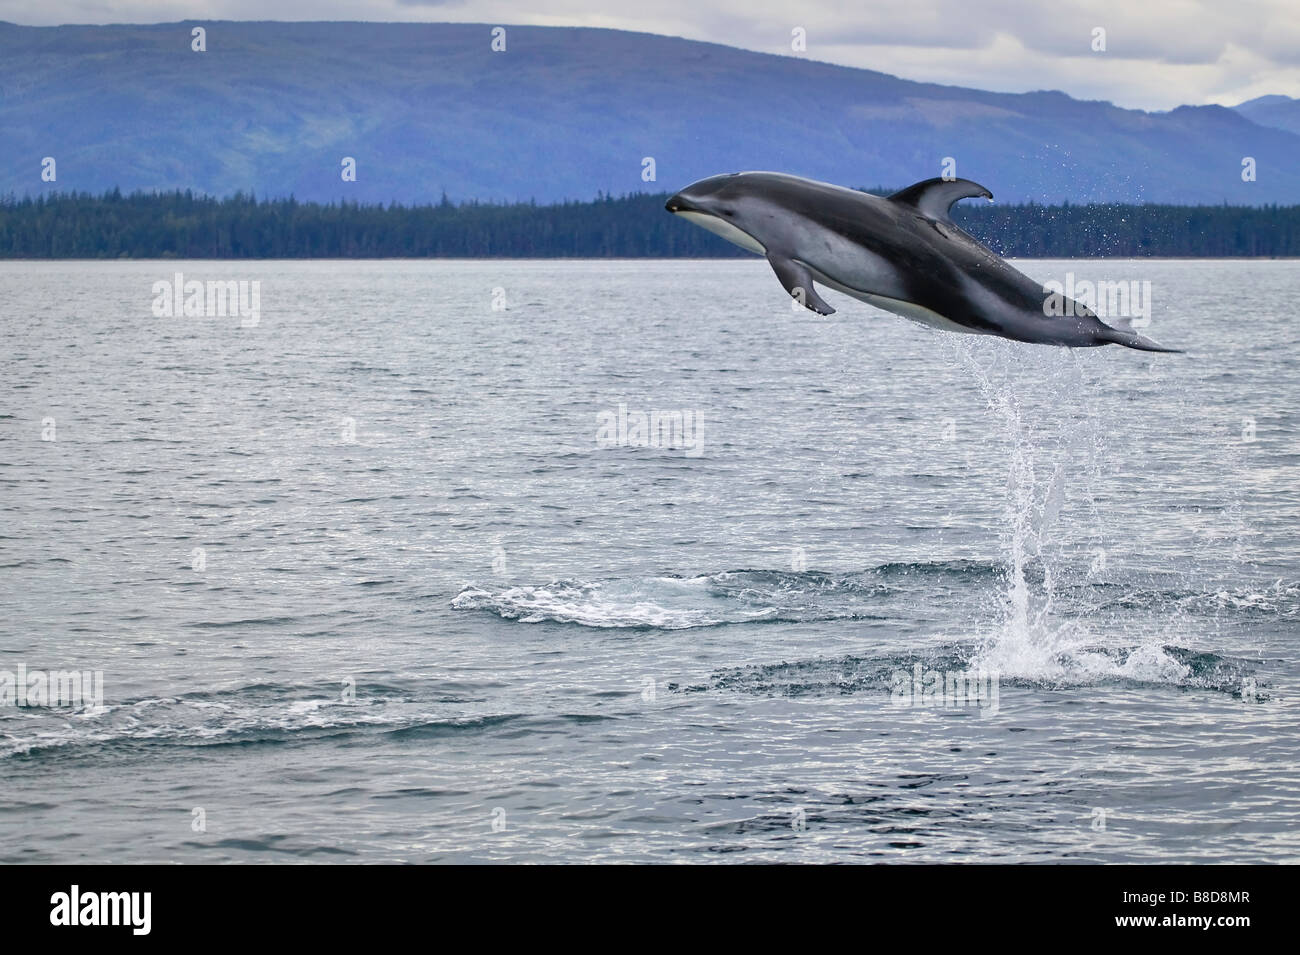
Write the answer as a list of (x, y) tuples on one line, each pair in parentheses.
[(1128, 339)]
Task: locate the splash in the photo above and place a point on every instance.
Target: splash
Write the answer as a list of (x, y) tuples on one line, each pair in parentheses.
[(1029, 640)]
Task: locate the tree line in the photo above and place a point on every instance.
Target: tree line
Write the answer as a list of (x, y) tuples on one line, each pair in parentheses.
[(186, 225)]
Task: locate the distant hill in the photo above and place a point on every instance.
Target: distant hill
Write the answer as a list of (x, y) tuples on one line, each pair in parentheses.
[(1280, 112), (272, 108)]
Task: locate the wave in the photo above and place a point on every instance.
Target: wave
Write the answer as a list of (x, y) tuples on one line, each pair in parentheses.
[(878, 593), (258, 714), (1086, 634), (729, 597), (1138, 666)]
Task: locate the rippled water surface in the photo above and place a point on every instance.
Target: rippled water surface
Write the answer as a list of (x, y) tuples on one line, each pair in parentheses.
[(367, 581)]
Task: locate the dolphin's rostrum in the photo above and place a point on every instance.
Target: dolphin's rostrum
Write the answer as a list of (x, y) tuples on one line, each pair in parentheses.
[(902, 253)]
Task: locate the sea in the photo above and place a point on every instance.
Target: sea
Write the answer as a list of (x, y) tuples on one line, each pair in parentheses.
[(631, 561)]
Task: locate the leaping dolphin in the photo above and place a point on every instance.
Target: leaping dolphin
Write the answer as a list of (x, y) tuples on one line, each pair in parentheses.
[(902, 253)]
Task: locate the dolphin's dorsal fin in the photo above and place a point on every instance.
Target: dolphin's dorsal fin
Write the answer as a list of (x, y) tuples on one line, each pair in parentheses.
[(934, 197)]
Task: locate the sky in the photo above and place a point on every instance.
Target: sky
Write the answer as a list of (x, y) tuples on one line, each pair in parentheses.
[(1157, 54)]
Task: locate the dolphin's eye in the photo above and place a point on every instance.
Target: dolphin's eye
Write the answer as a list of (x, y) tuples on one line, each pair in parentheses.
[(729, 212)]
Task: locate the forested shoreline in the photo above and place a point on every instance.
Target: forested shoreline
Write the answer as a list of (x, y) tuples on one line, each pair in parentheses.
[(188, 226)]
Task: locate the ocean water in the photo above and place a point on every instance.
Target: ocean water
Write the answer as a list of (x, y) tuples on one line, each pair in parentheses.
[(379, 578)]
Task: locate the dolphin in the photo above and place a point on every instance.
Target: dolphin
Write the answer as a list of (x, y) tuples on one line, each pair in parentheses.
[(902, 253)]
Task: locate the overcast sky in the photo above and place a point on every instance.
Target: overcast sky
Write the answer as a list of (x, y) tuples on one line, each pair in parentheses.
[(1159, 53)]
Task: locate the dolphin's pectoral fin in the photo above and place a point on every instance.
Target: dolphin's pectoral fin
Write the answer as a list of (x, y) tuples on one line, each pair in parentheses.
[(934, 197), (798, 281)]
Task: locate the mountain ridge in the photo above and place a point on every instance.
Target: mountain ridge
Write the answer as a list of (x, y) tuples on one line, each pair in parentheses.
[(1276, 110), (272, 108)]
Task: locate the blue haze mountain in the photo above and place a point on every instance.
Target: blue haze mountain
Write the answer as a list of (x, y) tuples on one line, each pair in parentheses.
[(564, 113)]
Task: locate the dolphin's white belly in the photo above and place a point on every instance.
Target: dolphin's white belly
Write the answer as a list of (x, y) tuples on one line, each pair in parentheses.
[(909, 310), (851, 269)]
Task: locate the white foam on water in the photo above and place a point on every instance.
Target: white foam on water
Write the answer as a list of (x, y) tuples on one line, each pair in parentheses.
[(669, 603)]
